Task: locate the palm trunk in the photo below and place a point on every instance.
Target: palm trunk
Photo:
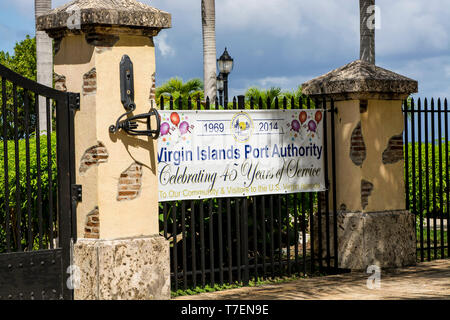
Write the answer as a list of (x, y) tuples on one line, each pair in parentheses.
[(209, 48), (367, 50), (44, 60)]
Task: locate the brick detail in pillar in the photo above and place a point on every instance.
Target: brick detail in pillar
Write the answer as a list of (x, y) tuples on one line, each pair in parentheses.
[(56, 45), (92, 225), (363, 106), (101, 40), (130, 183), (152, 97), (394, 150), (93, 156), (101, 50), (357, 146), (60, 82), (366, 191), (90, 82)]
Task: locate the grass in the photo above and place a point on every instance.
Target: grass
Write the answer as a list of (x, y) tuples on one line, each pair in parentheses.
[(432, 235), (252, 283), (438, 254)]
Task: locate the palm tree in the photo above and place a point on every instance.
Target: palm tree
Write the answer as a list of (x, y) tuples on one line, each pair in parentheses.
[(272, 94), (264, 95), (44, 59), (177, 89), (209, 48), (367, 49)]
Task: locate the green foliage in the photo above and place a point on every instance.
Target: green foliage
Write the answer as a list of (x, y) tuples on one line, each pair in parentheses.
[(207, 288), (28, 206), (177, 89), (24, 59), (419, 198), (408, 106), (22, 62), (430, 205), (217, 287), (194, 89), (265, 95), (438, 235), (434, 254), (270, 95)]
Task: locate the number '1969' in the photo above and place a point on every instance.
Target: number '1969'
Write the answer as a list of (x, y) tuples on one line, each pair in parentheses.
[(214, 127)]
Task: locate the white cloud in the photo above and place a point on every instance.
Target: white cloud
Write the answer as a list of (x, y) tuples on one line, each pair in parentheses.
[(432, 73), (185, 13), (286, 83), (163, 46), (286, 42), (290, 83), (284, 18), (447, 71), (413, 26)]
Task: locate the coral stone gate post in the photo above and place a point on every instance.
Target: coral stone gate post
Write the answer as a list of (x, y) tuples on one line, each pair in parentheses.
[(119, 252), (374, 227)]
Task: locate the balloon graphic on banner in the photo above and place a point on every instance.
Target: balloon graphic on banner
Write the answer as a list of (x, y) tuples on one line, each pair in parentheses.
[(175, 118), (312, 126), (318, 116), (302, 117), (295, 125), (184, 127), (165, 127)]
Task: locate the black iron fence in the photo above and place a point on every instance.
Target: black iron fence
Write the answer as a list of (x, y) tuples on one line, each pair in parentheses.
[(427, 174), (36, 176), (236, 240)]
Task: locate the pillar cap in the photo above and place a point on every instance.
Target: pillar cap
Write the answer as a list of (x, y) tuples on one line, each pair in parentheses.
[(360, 80), (129, 14)]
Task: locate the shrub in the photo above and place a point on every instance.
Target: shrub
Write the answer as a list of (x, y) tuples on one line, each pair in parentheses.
[(440, 185), (28, 205)]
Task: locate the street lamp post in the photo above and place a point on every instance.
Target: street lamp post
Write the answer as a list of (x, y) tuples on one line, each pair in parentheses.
[(220, 87), (225, 64)]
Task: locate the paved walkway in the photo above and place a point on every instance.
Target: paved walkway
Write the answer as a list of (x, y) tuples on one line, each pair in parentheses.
[(429, 280)]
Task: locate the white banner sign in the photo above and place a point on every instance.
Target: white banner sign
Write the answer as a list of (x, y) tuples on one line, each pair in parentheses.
[(212, 154)]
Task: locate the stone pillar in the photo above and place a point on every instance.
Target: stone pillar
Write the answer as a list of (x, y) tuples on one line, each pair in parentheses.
[(119, 250), (374, 227)]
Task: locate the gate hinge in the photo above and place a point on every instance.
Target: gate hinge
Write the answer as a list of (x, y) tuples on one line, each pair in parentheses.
[(77, 192), (74, 101)]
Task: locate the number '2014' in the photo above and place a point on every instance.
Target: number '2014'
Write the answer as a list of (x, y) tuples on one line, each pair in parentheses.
[(268, 126)]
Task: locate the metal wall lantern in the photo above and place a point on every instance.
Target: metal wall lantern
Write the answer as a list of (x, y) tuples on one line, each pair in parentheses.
[(131, 124)]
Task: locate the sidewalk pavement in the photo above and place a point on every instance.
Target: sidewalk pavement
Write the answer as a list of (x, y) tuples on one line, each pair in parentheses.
[(428, 280)]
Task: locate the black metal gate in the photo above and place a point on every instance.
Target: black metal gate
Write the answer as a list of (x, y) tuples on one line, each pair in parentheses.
[(37, 209), (427, 175), (238, 240)]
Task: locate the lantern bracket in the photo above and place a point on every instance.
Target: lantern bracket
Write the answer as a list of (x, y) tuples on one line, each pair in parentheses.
[(131, 124)]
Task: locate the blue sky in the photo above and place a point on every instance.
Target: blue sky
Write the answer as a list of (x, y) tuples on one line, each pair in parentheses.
[(286, 42)]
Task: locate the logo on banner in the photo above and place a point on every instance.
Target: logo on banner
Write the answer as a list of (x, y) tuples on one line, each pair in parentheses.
[(242, 127)]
